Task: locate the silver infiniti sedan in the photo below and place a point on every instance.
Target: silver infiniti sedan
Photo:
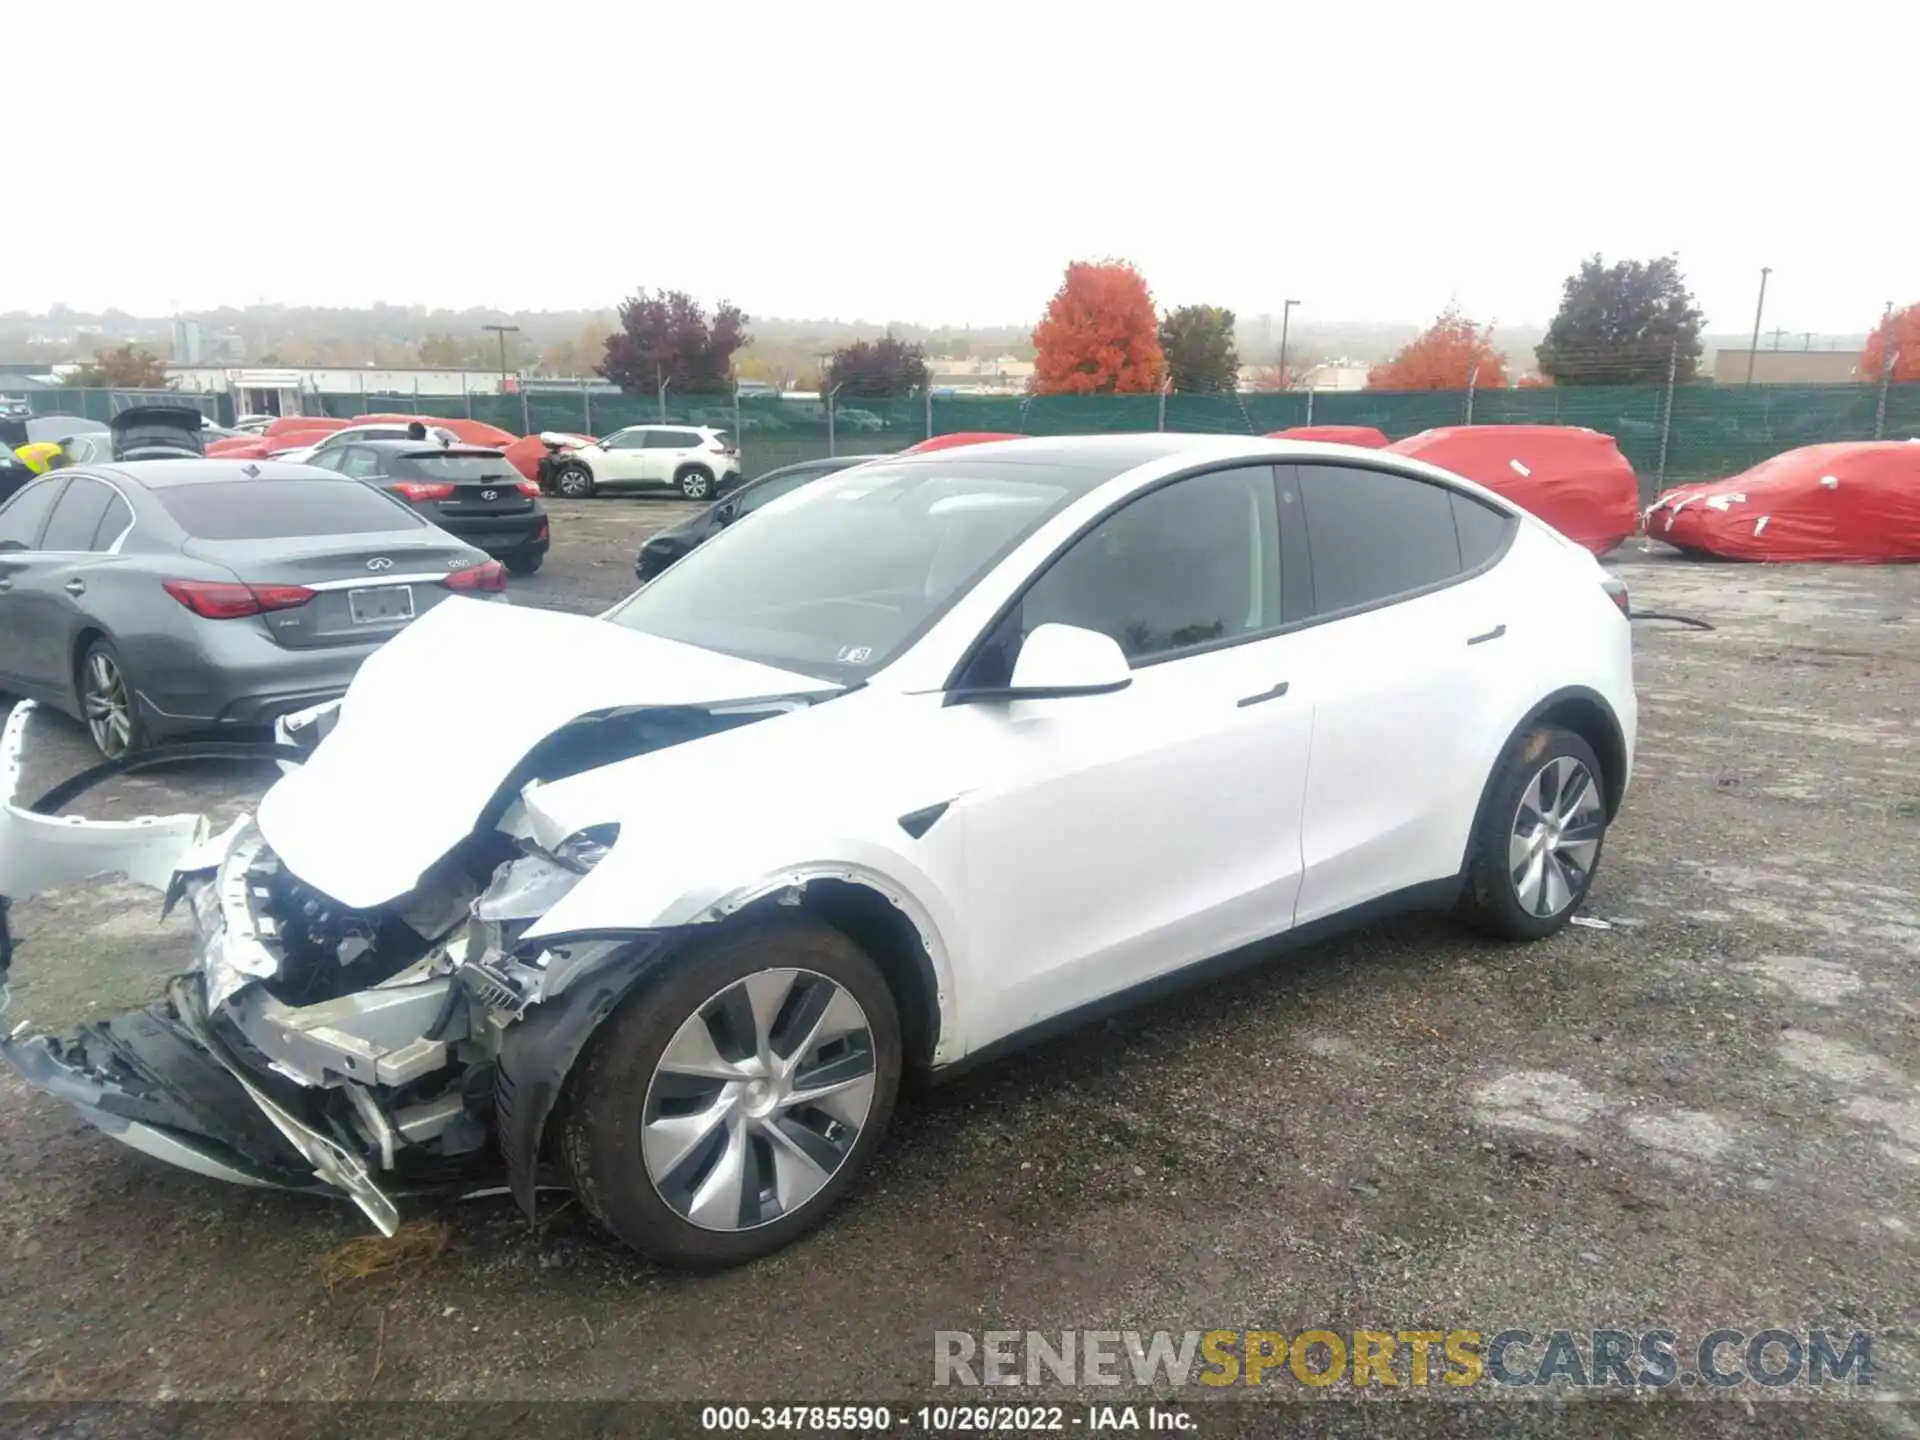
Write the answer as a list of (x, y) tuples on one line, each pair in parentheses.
[(159, 597)]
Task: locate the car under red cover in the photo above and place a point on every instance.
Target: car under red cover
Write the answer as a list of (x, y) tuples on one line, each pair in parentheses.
[(1855, 502), (1362, 435), (1573, 478)]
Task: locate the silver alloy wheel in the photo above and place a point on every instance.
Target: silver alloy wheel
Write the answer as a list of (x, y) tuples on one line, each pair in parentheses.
[(758, 1099), (1556, 835), (108, 707), (693, 485), (573, 481)]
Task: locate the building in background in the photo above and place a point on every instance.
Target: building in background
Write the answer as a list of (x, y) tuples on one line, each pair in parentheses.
[(279, 390), (1787, 367), (1004, 375)]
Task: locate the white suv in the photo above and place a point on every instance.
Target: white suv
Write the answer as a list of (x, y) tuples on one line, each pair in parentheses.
[(920, 761), (698, 462)]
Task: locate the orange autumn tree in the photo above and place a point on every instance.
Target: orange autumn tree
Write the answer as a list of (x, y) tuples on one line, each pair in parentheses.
[(1444, 358), (1899, 332), (1100, 334)]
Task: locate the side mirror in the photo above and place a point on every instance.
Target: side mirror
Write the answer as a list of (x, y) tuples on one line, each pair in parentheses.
[(1058, 661)]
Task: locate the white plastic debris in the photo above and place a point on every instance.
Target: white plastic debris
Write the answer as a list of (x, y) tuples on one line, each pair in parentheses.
[(1518, 468), (1761, 524), (1832, 482), (1590, 922)]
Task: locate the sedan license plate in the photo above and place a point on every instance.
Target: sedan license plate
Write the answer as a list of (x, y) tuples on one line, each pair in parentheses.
[(380, 605)]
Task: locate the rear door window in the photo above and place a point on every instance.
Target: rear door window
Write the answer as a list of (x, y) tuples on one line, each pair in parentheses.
[(277, 509), (359, 462), (22, 517), (671, 439), (1483, 530), (1373, 535), (77, 516), (115, 523)]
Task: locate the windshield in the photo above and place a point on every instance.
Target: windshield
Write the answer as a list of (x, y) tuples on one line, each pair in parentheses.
[(841, 575)]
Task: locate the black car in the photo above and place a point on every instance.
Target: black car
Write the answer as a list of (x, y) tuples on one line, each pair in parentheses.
[(467, 490), (662, 549)]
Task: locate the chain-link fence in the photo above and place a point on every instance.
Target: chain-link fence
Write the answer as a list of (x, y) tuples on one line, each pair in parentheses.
[(103, 405), (1670, 434)]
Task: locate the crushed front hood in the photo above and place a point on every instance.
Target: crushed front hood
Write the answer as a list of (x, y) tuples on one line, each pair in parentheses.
[(439, 717)]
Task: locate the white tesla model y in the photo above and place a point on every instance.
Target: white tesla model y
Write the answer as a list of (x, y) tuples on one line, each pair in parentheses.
[(922, 760)]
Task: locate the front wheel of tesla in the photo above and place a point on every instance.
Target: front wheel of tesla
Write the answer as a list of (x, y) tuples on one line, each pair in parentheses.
[(724, 1108), (1540, 836)]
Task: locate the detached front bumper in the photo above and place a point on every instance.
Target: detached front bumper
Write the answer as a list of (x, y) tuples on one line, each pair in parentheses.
[(161, 1079)]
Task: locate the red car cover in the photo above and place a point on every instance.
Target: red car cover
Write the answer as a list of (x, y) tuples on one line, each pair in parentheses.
[(1574, 479), (524, 454), (1362, 435), (1856, 502), (289, 423), (963, 437)]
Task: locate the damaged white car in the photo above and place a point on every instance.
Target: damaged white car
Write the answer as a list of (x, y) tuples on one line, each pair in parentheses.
[(923, 760)]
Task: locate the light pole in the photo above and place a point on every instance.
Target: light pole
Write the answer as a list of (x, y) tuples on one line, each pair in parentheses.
[(1759, 309), (1286, 315), (503, 331)]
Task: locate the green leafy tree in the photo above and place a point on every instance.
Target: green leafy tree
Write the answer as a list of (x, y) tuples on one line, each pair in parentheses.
[(878, 369), (1198, 341), (1621, 324)]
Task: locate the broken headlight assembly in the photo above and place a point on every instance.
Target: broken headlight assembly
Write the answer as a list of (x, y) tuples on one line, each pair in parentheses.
[(505, 975)]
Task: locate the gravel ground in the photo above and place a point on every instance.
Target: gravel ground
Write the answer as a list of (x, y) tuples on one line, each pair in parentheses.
[(1707, 1114)]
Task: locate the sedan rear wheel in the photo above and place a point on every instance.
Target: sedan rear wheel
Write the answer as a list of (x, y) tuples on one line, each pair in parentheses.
[(107, 703), (722, 1110)]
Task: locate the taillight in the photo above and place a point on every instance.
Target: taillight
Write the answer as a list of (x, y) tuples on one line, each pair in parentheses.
[(530, 489), (422, 489), (490, 575), (1617, 592), (541, 533), (221, 600)]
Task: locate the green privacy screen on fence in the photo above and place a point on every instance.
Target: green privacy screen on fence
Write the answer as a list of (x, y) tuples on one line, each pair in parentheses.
[(1714, 431)]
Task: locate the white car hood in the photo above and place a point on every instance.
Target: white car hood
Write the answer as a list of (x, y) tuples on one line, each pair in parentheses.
[(440, 715)]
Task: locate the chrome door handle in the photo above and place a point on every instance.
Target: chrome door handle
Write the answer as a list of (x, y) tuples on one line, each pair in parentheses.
[(1494, 634), (76, 587), (1274, 694)]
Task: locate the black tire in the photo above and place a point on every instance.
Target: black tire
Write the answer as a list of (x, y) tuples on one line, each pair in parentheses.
[(524, 562), (1493, 901), (695, 482), (600, 1129), (112, 740), (573, 481)]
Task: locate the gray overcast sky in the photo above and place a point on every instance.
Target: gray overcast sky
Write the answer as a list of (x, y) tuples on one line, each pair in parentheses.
[(941, 163)]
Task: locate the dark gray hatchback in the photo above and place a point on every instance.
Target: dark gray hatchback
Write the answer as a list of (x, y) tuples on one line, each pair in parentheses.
[(469, 491)]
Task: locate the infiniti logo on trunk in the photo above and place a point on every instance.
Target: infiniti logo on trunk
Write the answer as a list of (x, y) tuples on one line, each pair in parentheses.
[(379, 562)]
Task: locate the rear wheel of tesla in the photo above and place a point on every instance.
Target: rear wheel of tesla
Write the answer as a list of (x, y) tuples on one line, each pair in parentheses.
[(725, 1107), (1540, 836)]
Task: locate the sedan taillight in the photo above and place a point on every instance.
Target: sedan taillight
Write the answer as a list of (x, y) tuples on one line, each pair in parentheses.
[(530, 489), (422, 489), (220, 600), (491, 575)]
